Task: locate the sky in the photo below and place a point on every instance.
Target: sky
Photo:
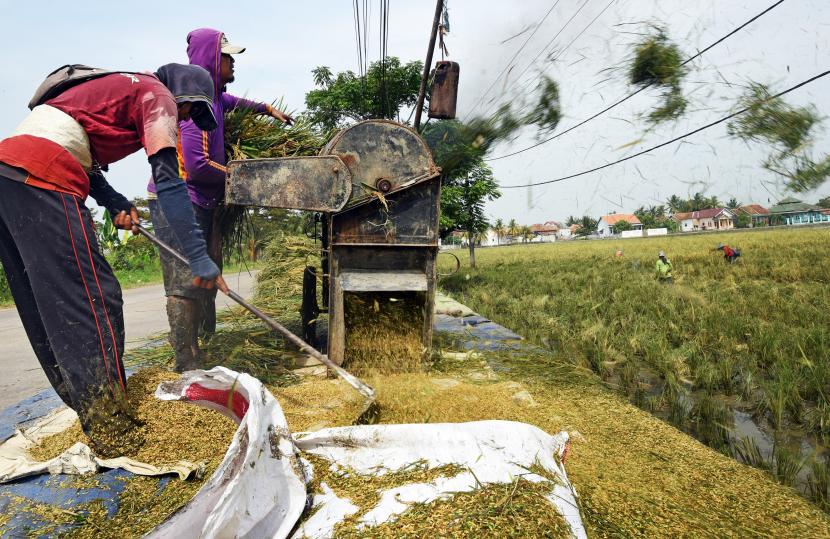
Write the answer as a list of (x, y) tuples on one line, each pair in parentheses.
[(286, 40)]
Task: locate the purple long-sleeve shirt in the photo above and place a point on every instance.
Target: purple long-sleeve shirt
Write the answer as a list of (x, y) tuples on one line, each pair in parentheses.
[(202, 153)]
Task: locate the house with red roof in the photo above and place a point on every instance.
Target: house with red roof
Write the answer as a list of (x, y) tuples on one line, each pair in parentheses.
[(545, 232), (708, 219), (758, 215), (605, 226)]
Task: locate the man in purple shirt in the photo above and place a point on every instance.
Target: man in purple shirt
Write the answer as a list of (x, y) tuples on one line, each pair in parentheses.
[(202, 165)]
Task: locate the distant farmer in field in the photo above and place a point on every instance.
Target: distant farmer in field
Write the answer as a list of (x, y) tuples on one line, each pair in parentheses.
[(729, 254), (664, 269), (65, 292), (191, 310)]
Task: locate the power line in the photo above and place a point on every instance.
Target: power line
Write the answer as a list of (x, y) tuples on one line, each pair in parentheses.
[(567, 23), (675, 139), (635, 92), (510, 63)]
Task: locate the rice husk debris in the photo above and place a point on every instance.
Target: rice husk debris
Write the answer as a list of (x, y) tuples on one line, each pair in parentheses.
[(383, 333), (170, 431)]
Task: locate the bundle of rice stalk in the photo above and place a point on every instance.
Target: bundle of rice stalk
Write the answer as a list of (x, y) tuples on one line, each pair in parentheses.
[(657, 61), (249, 135)]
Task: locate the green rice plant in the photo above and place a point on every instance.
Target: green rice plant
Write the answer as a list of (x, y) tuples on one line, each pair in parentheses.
[(628, 377), (817, 419), (788, 464), (746, 384), (818, 483), (720, 329), (711, 420), (745, 449)]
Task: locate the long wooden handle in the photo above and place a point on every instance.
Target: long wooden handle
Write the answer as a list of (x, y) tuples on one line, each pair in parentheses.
[(352, 380)]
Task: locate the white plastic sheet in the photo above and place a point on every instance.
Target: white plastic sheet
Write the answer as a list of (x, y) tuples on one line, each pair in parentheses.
[(490, 451), (258, 491), (16, 462)]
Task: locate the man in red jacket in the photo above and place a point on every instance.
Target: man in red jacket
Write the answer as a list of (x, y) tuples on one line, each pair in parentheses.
[(65, 292)]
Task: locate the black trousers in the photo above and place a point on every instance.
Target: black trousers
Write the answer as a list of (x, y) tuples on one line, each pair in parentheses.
[(65, 292)]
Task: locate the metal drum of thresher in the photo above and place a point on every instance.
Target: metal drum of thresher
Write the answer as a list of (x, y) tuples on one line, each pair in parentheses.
[(384, 242)]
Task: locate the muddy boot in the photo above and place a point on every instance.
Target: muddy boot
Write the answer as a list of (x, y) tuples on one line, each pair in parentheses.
[(207, 315), (183, 318)]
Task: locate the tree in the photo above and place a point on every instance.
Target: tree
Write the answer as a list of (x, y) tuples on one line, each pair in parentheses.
[(656, 216), (587, 225), (698, 202), (824, 202), (512, 228), (462, 202), (742, 220), (733, 204), (621, 226), (498, 228), (346, 98), (459, 159), (675, 204), (526, 233)]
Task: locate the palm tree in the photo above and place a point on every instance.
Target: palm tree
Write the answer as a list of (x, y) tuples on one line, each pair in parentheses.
[(512, 228), (526, 233), (698, 202), (733, 204), (675, 204), (498, 228)]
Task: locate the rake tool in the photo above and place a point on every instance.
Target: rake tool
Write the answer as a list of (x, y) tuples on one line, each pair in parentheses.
[(352, 380)]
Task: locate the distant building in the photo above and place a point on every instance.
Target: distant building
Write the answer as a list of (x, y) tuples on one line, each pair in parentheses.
[(566, 233), (605, 227), (544, 233), (709, 219), (791, 211), (758, 215)]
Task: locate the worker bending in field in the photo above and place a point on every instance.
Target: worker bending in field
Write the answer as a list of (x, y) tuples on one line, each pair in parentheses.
[(729, 254), (664, 268), (191, 310), (65, 292)]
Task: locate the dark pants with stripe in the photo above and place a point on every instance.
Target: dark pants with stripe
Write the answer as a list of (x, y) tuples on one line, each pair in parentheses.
[(65, 292)]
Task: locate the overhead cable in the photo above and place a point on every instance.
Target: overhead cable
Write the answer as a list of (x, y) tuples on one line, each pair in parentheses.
[(675, 139), (635, 92), (515, 55)]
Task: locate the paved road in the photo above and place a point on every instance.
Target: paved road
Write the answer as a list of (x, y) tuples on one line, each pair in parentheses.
[(144, 315)]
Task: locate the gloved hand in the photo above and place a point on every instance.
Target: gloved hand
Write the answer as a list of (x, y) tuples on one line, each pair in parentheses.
[(177, 208)]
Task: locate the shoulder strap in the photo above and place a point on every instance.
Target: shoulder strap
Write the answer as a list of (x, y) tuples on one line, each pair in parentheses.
[(64, 78)]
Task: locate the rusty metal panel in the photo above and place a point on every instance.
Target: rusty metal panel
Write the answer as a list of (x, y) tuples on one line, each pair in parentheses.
[(444, 91), (320, 183), (410, 216), (381, 155)]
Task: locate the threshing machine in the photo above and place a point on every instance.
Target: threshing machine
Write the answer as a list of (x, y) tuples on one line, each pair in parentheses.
[(377, 191)]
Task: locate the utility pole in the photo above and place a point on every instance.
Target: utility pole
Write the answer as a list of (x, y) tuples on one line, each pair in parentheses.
[(422, 92)]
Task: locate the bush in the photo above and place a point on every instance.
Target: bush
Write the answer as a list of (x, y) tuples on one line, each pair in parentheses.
[(5, 292), (136, 254)]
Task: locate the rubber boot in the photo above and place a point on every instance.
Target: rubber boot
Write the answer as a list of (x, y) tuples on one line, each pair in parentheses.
[(182, 313), (207, 315)]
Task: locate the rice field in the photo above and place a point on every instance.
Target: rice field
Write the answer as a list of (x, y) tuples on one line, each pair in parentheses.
[(636, 475), (736, 354)]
